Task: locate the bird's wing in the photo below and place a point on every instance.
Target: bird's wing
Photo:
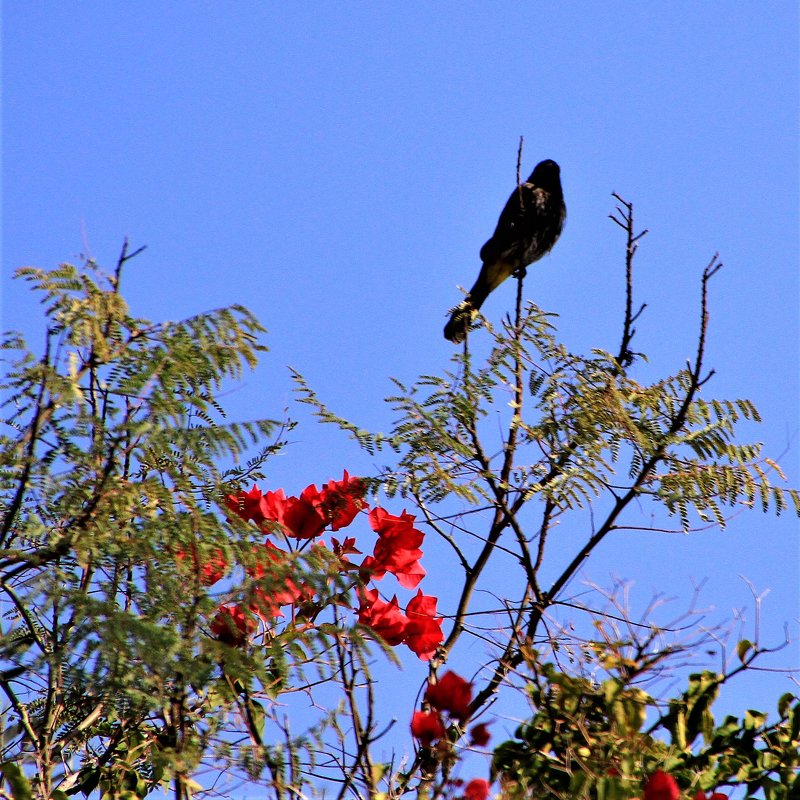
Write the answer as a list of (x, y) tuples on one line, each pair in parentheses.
[(514, 227)]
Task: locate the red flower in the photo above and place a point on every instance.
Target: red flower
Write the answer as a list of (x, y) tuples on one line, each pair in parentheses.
[(278, 589), (450, 693), (476, 789), (479, 735), (300, 517), (426, 726), (701, 795), (342, 500), (247, 505), (386, 524), (661, 786), (231, 626), (403, 564), (273, 505), (386, 619), (397, 549), (211, 570), (424, 632)]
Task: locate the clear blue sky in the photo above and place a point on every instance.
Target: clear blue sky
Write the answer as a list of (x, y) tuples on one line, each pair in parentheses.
[(336, 168)]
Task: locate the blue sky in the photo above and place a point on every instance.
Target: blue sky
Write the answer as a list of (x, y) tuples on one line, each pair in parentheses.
[(337, 167)]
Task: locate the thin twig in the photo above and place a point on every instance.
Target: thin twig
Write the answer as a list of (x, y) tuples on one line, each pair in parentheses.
[(625, 221)]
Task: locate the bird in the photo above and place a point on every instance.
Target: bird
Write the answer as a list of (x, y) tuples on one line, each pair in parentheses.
[(529, 226)]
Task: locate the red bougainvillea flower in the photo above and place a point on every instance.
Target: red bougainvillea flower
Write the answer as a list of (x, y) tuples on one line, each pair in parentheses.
[(476, 789), (424, 631), (397, 548), (701, 795), (399, 528), (300, 517), (661, 786), (273, 505), (247, 505), (426, 726), (211, 569), (450, 693), (341, 500), (278, 590), (386, 619), (231, 625), (479, 735), (403, 564)]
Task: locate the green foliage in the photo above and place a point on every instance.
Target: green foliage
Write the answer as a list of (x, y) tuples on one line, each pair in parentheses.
[(589, 737), (113, 457), (19, 784), (585, 424)]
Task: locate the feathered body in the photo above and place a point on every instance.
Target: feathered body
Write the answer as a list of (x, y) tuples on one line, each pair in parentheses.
[(528, 227)]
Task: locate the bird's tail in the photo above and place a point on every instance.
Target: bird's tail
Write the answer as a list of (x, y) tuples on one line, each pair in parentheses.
[(491, 276), (459, 322)]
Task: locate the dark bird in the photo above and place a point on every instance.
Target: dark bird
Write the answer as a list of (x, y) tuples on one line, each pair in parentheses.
[(527, 229)]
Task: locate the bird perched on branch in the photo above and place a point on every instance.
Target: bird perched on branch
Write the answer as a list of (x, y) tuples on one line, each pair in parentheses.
[(528, 227)]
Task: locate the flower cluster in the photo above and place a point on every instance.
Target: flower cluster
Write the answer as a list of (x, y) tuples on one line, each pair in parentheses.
[(271, 562), (396, 550), (420, 629), (451, 695), (307, 516)]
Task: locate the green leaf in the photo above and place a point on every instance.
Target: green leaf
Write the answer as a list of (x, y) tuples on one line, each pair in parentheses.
[(20, 786), (742, 649), (754, 719), (785, 702), (258, 714)]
